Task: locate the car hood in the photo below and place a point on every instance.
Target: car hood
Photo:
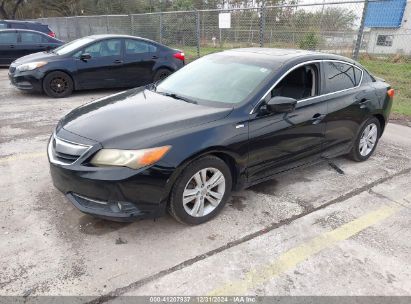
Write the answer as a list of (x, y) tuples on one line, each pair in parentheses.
[(136, 117), (40, 56)]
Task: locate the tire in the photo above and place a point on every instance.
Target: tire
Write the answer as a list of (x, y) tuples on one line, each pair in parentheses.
[(58, 84), (161, 74), (363, 148), (206, 196)]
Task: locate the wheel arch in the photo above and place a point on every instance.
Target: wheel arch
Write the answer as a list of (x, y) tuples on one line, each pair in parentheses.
[(75, 85), (382, 121), (229, 157)]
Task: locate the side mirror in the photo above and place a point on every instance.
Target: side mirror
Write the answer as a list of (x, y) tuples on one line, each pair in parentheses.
[(281, 104), (85, 56)]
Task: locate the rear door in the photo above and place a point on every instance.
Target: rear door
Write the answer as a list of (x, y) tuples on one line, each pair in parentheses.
[(8, 47), (347, 105), (104, 68), (31, 42), (139, 59)]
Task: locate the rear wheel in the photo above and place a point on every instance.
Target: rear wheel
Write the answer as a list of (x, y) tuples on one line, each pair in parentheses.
[(201, 191), (161, 74), (58, 84), (366, 141)]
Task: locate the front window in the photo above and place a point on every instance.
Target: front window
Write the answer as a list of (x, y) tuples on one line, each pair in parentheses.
[(72, 46), (217, 78), (103, 48), (299, 84), (8, 37)]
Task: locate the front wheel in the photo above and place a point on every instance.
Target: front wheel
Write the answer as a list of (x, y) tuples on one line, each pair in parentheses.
[(58, 84), (201, 191), (366, 141)]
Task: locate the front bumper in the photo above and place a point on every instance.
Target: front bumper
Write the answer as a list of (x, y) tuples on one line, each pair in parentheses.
[(115, 193), (28, 81), (120, 200)]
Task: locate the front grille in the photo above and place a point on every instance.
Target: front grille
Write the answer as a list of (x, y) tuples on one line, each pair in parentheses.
[(65, 152)]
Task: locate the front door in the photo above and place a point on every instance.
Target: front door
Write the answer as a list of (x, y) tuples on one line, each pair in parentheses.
[(104, 68), (281, 141)]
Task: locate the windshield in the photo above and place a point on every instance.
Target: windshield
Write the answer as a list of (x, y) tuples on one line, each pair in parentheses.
[(216, 78), (72, 46)]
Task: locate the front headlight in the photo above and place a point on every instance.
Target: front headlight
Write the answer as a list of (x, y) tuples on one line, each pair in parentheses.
[(30, 66), (133, 159)]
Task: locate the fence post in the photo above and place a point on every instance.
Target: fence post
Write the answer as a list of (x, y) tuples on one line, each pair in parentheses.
[(197, 15), (131, 25), (78, 31), (262, 24), (360, 32), (161, 27)]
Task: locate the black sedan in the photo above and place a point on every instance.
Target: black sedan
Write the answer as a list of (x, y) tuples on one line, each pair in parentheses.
[(100, 61), (18, 43), (185, 143)]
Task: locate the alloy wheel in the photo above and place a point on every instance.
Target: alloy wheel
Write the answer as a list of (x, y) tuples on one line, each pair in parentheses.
[(204, 192), (368, 139), (58, 85)]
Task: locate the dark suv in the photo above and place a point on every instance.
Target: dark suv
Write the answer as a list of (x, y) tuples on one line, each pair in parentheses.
[(27, 25)]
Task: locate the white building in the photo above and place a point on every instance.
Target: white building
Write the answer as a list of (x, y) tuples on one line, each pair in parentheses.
[(388, 27)]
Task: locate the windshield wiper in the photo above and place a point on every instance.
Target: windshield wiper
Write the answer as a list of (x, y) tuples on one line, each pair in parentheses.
[(176, 96)]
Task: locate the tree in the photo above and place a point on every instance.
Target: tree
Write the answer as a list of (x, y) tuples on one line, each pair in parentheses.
[(9, 8)]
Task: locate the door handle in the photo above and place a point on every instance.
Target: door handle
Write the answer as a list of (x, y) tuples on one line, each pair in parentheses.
[(317, 117), (11, 46), (363, 102), (118, 61), (154, 57)]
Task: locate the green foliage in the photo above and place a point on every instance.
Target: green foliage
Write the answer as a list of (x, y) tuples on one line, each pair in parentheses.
[(398, 74), (310, 41)]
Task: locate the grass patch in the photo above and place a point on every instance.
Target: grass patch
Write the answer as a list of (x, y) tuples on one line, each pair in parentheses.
[(398, 75)]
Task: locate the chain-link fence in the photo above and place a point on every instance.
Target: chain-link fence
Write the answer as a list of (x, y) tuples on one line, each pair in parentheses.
[(336, 27)]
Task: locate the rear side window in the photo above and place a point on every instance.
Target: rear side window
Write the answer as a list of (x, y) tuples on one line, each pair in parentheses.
[(138, 47), (29, 38), (8, 37), (367, 78), (3, 26), (340, 76)]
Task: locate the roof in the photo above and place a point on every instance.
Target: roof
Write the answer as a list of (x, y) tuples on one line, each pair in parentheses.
[(21, 21), (283, 56), (386, 14), (105, 36)]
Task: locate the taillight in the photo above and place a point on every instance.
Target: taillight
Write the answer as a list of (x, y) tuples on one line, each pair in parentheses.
[(179, 55), (391, 93), (52, 34)]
